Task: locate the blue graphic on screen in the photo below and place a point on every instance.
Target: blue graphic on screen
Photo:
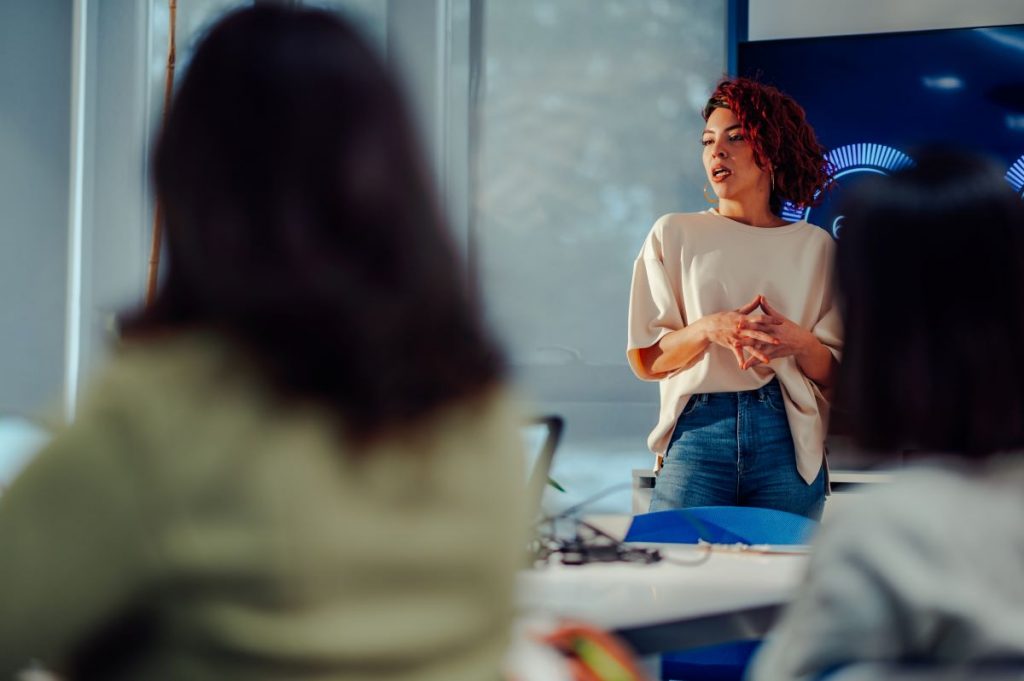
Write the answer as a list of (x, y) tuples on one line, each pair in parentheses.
[(1015, 176), (874, 99), (852, 162)]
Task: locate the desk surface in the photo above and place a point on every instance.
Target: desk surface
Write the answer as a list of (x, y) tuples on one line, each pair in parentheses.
[(689, 584)]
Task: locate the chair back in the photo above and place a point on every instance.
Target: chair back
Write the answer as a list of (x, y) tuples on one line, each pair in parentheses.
[(722, 525)]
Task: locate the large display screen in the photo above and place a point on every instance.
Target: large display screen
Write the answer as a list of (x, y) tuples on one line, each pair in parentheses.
[(874, 99)]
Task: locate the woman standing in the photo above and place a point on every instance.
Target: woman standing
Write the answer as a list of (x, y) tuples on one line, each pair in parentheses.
[(731, 311)]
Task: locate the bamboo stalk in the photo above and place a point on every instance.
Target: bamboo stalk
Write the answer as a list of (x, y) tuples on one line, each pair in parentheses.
[(154, 253)]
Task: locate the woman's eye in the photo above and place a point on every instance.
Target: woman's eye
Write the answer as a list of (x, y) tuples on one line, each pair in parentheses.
[(736, 138), (705, 142)]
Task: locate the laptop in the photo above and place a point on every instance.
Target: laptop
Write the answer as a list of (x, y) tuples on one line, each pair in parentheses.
[(541, 436)]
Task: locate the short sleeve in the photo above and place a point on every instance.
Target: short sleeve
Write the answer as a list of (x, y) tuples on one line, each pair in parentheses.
[(829, 327), (829, 330), (654, 307)]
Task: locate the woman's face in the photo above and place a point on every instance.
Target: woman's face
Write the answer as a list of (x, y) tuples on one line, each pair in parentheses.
[(729, 160)]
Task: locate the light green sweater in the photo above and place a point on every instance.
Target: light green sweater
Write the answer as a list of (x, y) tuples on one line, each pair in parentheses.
[(230, 536)]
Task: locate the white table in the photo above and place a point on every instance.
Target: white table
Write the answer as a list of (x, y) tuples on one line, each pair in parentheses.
[(732, 594)]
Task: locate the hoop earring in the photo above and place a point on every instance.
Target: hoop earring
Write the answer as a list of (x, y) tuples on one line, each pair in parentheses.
[(773, 181), (712, 201)]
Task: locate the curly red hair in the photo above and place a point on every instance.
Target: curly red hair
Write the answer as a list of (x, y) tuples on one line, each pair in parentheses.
[(777, 129)]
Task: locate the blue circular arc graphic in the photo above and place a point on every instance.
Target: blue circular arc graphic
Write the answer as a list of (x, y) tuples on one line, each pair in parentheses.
[(861, 157), (1015, 176)]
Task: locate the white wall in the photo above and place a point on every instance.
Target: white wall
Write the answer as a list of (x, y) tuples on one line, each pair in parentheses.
[(803, 18), (35, 78)]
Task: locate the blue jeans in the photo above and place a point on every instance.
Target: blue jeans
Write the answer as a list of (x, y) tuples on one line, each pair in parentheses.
[(736, 449)]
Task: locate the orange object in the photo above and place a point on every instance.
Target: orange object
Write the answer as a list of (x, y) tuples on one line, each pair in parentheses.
[(154, 253), (595, 654)]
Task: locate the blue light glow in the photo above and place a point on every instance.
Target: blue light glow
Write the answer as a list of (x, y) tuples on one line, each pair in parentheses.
[(942, 82), (1003, 37)]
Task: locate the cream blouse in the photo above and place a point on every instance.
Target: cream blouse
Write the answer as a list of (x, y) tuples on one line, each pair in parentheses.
[(695, 264)]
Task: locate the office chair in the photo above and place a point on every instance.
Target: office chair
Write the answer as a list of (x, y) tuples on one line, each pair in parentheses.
[(722, 525)]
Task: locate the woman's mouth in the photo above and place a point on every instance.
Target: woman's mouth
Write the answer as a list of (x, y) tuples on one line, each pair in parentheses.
[(719, 173)]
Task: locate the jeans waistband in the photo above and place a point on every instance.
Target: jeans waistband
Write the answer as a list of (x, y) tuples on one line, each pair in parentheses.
[(772, 388)]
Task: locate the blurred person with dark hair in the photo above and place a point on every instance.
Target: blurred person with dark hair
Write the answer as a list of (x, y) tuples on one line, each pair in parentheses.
[(927, 568), (301, 463), (731, 311)]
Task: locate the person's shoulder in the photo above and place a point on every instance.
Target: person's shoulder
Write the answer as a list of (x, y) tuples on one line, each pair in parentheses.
[(672, 229), (168, 374), (812, 239), (921, 511), (681, 221), (815, 233), (171, 359), (905, 495)]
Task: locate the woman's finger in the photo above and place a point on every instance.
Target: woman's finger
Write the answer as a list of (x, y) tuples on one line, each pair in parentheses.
[(751, 306), (758, 336), (773, 320), (759, 354), (762, 322), (767, 307), (738, 354)]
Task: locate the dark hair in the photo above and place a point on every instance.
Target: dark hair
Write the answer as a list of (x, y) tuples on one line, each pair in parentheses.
[(931, 279), (783, 140), (301, 223)]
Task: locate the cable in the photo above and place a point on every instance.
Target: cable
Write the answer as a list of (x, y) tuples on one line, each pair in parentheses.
[(700, 560), (580, 550), (703, 533), (586, 502)]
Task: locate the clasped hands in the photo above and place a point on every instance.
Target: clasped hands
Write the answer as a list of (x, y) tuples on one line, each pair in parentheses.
[(757, 338)]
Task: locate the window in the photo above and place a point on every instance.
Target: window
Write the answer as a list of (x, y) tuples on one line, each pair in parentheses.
[(559, 130), (589, 131)]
